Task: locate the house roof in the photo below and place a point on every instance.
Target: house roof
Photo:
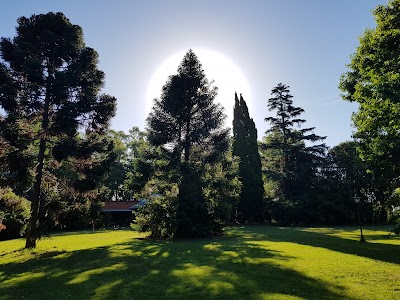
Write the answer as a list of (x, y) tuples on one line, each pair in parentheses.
[(112, 206)]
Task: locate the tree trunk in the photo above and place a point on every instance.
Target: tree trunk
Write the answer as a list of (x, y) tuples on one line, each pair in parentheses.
[(32, 233), (187, 142)]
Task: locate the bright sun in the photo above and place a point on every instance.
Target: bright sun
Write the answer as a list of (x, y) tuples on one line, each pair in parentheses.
[(226, 75)]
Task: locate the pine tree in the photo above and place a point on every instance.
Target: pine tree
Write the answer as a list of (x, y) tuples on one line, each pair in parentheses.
[(188, 125), (293, 163), (245, 146), (50, 94)]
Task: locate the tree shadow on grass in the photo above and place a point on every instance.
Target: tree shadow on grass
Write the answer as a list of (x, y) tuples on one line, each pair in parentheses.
[(377, 251), (221, 268)]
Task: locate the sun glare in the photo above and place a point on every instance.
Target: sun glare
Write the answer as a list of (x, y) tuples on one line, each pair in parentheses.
[(226, 75)]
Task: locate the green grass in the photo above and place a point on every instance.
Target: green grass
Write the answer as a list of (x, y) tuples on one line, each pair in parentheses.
[(248, 263)]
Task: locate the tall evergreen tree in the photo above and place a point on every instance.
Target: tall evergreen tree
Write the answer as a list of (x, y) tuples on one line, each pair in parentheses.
[(245, 146), (50, 93), (188, 125), (295, 163)]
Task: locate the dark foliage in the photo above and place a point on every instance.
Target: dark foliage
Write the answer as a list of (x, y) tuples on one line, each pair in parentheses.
[(291, 163), (251, 205), (50, 93), (14, 211), (188, 125)]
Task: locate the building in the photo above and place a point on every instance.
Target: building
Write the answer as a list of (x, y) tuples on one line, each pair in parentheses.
[(120, 213)]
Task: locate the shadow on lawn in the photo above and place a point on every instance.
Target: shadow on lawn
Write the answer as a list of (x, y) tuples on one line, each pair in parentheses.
[(377, 251), (221, 268)]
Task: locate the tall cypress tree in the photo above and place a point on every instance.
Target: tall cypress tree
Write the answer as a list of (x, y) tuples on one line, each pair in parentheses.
[(250, 206)]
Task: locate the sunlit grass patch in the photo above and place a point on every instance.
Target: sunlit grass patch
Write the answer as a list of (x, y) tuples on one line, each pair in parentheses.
[(249, 262), (86, 275)]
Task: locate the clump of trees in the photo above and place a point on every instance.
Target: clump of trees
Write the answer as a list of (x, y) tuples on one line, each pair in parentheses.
[(59, 161), (373, 82)]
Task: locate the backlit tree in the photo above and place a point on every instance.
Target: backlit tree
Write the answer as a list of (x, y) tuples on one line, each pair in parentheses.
[(50, 94), (189, 125)]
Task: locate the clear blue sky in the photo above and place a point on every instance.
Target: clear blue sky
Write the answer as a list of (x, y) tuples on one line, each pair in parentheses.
[(305, 44)]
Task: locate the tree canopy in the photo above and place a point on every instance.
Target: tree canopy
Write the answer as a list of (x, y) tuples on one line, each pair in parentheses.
[(292, 157), (189, 126), (50, 94), (373, 81)]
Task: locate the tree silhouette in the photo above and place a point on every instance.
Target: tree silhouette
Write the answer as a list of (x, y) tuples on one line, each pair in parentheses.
[(50, 95), (250, 206), (292, 163), (188, 125)]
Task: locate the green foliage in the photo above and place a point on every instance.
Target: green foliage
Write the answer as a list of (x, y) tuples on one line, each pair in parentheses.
[(251, 205), (291, 164), (14, 212), (344, 176), (186, 116), (396, 228), (131, 169), (68, 210), (222, 188), (139, 167), (373, 81), (50, 94), (158, 216), (187, 125)]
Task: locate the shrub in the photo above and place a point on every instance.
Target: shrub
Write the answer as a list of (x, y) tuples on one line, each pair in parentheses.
[(157, 216), (14, 214), (396, 229)]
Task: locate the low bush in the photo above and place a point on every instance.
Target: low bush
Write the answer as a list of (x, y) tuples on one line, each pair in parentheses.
[(14, 214), (396, 229), (157, 216)]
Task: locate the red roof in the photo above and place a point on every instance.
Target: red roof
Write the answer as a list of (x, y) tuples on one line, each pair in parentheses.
[(118, 206)]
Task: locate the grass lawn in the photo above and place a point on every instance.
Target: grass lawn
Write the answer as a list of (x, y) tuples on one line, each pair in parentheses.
[(250, 262)]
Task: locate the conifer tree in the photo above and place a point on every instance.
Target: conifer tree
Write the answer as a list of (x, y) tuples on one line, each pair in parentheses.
[(187, 123), (245, 146), (293, 163), (49, 91)]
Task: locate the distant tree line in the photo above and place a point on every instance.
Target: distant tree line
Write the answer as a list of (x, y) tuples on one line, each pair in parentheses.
[(59, 161)]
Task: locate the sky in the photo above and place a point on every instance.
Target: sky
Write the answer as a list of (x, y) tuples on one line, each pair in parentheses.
[(305, 44)]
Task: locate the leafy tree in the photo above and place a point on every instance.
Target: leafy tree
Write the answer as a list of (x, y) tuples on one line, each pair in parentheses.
[(222, 188), (293, 164), (344, 175), (132, 168), (139, 158), (245, 146), (158, 216), (373, 81), (119, 169), (188, 125), (50, 94)]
